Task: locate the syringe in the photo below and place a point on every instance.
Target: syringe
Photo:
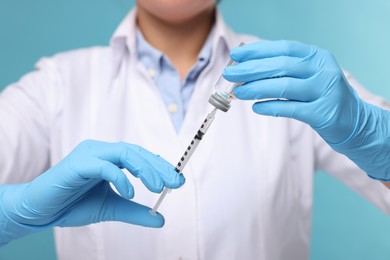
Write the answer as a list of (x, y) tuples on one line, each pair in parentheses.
[(220, 100), (187, 155)]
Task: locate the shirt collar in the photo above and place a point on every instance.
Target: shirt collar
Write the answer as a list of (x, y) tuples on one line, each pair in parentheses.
[(153, 58), (148, 55), (125, 35)]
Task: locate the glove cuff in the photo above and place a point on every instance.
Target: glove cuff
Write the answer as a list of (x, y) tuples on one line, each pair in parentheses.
[(9, 229)]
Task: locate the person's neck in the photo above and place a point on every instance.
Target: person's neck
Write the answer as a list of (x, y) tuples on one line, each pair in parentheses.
[(181, 43)]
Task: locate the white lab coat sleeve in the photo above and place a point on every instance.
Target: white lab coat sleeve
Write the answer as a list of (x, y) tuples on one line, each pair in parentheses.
[(345, 170), (26, 109)]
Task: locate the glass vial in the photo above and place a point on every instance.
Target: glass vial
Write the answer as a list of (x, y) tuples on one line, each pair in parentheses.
[(223, 94)]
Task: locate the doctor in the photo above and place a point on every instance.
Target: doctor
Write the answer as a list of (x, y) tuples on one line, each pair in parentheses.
[(248, 192)]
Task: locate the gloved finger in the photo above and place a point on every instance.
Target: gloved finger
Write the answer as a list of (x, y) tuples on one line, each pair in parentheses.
[(165, 170), (276, 67), (103, 204), (154, 171), (268, 49), (119, 209), (306, 112), (284, 108), (282, 88), (105, 170)]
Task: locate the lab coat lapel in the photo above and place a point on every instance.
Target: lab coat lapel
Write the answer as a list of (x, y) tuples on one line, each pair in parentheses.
[(151, 114)]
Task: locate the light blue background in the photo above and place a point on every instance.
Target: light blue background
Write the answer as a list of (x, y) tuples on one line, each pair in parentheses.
[(357, 32)]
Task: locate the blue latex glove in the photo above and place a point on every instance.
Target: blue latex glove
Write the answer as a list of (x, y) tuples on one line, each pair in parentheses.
[(306, 83), (76, 191)]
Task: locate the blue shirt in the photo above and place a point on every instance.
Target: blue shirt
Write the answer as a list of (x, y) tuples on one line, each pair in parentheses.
[(175, 93)]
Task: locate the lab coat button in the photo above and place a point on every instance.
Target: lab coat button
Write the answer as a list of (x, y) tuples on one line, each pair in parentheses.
[(172, 108), (151, 73)]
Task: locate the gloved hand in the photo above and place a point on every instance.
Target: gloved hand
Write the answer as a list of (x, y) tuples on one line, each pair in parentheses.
[(76, 191), (306, 83)]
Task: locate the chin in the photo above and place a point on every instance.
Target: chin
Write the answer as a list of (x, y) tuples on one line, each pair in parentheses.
[(176, 11)]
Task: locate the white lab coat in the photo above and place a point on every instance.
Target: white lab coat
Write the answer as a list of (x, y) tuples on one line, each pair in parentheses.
[(249, 189)]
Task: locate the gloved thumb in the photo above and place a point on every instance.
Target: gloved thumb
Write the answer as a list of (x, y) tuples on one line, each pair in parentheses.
[(103, 204)]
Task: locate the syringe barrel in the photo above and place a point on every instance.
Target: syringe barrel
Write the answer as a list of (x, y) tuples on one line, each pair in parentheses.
[(195, 141), (187, 155)]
